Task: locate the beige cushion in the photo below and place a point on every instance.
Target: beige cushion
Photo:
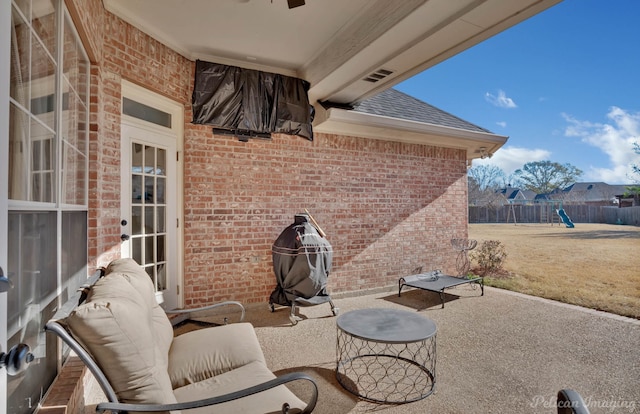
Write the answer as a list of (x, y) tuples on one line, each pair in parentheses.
[(198, 355), (115, 326), (141, 282), (251, 374), (136, 275)]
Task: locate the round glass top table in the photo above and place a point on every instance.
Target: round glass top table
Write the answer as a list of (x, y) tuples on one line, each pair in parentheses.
[(386, 355)]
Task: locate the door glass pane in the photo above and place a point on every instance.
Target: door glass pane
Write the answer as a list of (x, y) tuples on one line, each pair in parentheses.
[(151, 272), (136, 249), (161, 271), (73, 125), (43, 21), (19, 159), (32, 267), (136, 220), (71, 66), (74, 172), (160, 228), (160, 189), (149, 160), (20, 64), (31, 158), (146, 113), (160, 252), (42, 163), (149, 189), (74, 251), (148, 220), (148, 211), (136, 189), (43, 84), (24, 6), (148, 250), (161, 167), (136, 158)]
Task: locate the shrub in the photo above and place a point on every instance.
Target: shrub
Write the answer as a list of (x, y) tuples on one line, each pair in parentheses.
[(490, 256)]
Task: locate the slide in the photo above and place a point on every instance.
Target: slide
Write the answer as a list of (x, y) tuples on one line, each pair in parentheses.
[(565, 219)]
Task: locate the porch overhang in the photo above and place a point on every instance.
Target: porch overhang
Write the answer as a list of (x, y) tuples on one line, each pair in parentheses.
[(347, 50)]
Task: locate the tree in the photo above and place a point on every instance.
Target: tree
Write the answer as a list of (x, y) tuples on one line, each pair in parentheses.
[(634, 190), (486, 176), (543, 177), (483, 180), (636, 167)]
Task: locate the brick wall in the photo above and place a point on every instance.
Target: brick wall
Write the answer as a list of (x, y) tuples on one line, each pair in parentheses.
[(386, 207), (66, 395)]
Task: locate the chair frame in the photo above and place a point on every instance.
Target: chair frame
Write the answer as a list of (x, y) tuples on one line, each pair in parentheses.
[(570, 402)]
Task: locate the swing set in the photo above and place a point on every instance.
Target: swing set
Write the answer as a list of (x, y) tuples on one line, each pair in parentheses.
[(548, 210)]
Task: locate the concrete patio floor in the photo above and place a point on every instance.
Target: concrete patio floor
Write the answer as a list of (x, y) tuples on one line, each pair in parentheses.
[(502, 352)]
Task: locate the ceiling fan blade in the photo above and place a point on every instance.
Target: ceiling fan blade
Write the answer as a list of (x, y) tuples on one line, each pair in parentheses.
[(295, 3)]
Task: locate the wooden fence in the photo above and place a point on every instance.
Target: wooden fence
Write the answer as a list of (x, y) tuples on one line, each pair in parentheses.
[(578, 213)]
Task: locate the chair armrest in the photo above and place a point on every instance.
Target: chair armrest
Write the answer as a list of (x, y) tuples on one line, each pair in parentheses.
[(208, 307), (58, 329), (187, 405)]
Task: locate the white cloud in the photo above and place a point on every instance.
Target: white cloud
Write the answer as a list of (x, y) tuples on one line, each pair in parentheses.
[(501, 100), (502, 124), (615, 139), (510, 159)]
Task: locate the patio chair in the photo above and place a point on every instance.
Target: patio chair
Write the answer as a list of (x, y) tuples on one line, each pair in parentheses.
[(126, 340)]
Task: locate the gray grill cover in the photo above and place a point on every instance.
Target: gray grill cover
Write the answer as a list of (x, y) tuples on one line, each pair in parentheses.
[(301, 262)]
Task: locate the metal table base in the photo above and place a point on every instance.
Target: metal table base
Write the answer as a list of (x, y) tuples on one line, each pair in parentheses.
[(386, 355)]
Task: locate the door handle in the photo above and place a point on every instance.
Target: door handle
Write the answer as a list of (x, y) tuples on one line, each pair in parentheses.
[(124, 237), (17, 359), (5, 284)]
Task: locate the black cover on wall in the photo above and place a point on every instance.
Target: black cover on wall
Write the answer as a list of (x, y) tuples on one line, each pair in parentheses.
[(241, 99)]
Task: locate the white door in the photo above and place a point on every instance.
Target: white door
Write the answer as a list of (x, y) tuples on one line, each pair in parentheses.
[(151, 203)]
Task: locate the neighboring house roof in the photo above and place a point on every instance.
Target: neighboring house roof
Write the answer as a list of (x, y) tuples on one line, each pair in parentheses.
[(512, 193), (593, 191), (529, 194), (544, 197), (396, 104), (588, 191)]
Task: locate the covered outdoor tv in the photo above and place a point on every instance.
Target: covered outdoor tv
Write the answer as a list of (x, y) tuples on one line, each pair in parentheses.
[(247, 102)]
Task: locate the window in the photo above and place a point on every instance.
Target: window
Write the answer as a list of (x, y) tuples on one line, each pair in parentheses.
[(48, 183)]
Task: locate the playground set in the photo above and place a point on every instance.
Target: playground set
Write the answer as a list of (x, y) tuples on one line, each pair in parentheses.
[(551, 211)]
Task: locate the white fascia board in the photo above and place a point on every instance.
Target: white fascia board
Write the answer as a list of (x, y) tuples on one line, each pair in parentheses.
[(348, 122)]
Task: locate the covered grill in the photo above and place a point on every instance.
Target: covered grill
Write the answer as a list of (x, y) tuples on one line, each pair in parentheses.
[(301, 262)]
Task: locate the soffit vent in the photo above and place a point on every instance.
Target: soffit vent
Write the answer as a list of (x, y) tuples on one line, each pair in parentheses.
[(377, 75)]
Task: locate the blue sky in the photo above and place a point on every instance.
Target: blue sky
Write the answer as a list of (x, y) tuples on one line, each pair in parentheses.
[(564, 85)]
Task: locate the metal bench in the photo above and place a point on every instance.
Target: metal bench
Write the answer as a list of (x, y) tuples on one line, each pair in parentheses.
[(435, 281)]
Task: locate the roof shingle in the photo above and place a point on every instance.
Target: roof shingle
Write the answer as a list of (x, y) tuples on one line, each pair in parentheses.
[(395, 104)]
